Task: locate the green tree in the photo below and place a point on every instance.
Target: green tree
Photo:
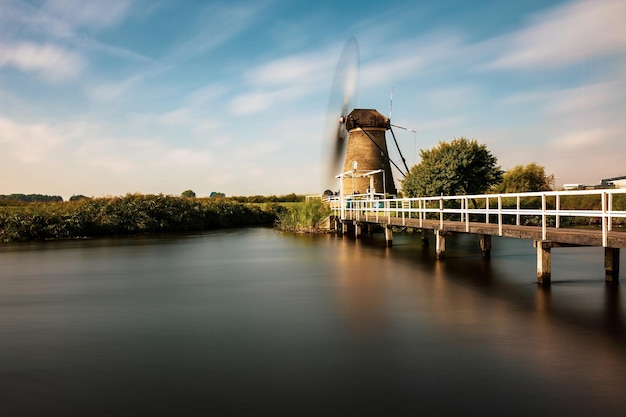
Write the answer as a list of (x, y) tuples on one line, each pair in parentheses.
[(519, 179), (459, 167), (77, 197), (188, 194)]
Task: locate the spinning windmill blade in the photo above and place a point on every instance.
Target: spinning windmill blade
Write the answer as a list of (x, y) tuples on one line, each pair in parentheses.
[(340, 103)]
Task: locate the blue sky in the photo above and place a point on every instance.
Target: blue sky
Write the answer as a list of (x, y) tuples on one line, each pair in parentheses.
[(107, 97)]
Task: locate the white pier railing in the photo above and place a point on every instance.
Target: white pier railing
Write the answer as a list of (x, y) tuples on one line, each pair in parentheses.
[(546, 209)]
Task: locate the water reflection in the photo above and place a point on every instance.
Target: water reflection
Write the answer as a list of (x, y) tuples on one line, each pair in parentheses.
[(258, 321), (568, 333)]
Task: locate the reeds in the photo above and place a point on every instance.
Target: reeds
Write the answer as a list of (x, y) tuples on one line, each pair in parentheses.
[(132, 214)]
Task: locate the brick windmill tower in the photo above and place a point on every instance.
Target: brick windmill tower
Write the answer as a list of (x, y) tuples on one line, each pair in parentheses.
[(358, 138), (366, 165)]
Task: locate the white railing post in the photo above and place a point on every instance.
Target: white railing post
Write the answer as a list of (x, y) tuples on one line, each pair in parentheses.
[(499, 215), (461, 210), (487, 210), (517, 217), (466, 214), (543, 217), (610, 218), (604, 228), (558, 208), (422, 209), (441, 213)]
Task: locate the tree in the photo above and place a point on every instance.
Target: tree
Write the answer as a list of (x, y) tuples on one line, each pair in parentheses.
[(460, 167), (531, 177), (188, 194), (77, 197)]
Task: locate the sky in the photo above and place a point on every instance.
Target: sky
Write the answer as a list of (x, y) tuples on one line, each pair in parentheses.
[(108, 97)]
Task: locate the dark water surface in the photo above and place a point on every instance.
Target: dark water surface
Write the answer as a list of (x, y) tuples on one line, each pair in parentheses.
[(251, 322)]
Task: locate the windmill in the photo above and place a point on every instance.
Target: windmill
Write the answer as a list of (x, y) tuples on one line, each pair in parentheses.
[(359, 156)]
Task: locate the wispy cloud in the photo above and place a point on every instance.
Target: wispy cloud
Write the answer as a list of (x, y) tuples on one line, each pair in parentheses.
[(583, 139), (574, 104), (91, 14), (417, 56), (283, 80), (67, 23), (107, 91), (214, 27), (30, 143), (570, 33), (104, 159), (48, 61)]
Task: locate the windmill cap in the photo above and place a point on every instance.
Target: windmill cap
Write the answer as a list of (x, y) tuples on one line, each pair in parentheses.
[(366, 118)]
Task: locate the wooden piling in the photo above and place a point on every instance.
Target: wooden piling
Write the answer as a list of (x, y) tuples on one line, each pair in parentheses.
[(544, 261), (344, 227), (485, 246), (388, 235), (611, 264), (440, 244)]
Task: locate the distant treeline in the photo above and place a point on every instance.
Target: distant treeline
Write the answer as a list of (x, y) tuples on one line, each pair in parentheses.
[(40, 198), (29, 198), (288, 198), (132, 214)]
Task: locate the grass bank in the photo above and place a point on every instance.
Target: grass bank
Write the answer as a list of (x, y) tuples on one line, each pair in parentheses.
[(133, 214), (303, 217)]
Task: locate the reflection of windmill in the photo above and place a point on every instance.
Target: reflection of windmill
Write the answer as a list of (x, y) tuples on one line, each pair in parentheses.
[(358, 137)]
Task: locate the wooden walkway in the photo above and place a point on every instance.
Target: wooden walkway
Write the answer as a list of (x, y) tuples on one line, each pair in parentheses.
[(558, 236), (498, 215), (554, 237)]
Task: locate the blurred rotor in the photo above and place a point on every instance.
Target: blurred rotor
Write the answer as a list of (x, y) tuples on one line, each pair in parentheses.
[(340, 104)]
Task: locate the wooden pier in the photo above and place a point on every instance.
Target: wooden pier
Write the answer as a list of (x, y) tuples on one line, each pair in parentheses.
[(447, 215)]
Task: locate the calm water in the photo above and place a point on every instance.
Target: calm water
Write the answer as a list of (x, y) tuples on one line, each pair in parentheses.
[(253, 321)]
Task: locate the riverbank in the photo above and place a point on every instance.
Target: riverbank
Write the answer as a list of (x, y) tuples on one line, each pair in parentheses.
[(133, 214)]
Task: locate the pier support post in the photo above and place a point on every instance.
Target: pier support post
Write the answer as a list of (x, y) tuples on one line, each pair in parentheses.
[(388, 236), (611, 264), (424, 238), (485, 246), (357, 230), (440, 244), (544, 261), (344, 228)]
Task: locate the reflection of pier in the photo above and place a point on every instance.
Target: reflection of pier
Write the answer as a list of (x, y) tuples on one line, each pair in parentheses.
[(543, 217)]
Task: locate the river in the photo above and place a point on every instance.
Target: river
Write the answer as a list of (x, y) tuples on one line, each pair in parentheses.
[(257, 322)]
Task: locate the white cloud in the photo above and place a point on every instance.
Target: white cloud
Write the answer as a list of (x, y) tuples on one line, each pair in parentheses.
[(113, 90), (282, 81), (216, 25), (582, 139), (252, 102), (29, 144), (50, 62), (592, 98), (64, 157), (413, 57), (596, 103), (573, 32), (292, 70), (92, 13)]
